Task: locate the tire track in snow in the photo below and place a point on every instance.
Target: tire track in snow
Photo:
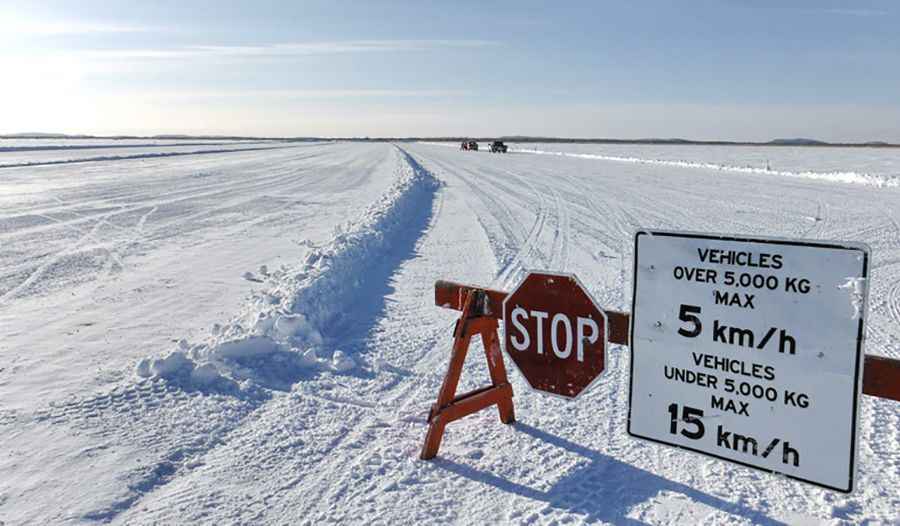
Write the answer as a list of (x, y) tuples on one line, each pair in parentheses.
[(234, 194), (110, 247), (506, 251), (610, 242), (512, 261), (527, 253), (560, 253), (818, 221), (528, 247), (165, 194), (143, 220), (52, 260)]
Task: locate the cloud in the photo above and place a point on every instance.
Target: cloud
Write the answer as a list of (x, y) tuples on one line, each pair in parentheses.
[(855, 12), (14, 26), (851, 10), (289, 49), (304, 94)]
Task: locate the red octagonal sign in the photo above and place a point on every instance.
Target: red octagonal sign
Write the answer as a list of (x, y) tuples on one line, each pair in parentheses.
[(555, 333)]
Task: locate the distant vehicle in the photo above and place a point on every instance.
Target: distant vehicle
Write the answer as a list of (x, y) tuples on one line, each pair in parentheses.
[(498, 147), (469, 145)]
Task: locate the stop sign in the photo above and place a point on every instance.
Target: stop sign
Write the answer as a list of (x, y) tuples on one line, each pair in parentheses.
[(555, 333)]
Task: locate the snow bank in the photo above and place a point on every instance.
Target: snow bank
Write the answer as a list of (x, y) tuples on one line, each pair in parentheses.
[(837, 177), (281, 326), (881, 181), (147, 155), (103, 146)]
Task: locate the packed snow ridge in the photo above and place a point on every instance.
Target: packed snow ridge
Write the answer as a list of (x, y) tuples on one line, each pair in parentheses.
[(876, 180), (837, 177), (281, 326), (71, 147), (144, 155)]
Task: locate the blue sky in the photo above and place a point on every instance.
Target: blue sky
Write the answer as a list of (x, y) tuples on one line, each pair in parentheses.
[(704, 70)]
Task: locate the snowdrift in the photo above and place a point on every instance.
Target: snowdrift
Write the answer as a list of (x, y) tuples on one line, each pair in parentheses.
[(144, 155), (836, 177), (105, 146), (851, 177), (280, 332)]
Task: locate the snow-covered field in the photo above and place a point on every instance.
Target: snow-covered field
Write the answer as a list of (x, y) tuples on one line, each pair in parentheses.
[(881, 164), (16, 153), (250, 337)]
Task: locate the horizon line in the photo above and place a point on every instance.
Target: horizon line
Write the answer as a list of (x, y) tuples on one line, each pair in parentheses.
[(793, 141)]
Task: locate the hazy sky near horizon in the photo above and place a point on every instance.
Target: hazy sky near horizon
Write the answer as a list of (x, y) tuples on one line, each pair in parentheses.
[(737, 70)]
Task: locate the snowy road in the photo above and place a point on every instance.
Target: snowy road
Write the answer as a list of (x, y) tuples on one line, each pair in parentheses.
[(111, 262), (45, 153)]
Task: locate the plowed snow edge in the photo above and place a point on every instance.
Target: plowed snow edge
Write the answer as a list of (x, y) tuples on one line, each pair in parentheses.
[(879, 181), (279, 335)]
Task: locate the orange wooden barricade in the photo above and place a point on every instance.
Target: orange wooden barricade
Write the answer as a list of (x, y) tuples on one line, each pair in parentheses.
[(449, 407), (481, 310)]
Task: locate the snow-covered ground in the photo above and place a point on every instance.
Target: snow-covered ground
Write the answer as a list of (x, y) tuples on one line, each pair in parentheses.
[(250, 337), (881, 163), (39, 152)]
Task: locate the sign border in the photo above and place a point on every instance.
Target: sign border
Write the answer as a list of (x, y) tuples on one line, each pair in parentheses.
[(584, 289), (860, 340)]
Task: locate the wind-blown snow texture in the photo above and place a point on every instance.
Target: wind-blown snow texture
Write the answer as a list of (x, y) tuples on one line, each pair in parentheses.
[(250, 337)]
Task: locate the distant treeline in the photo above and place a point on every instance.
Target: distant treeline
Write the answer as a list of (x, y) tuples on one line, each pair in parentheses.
[(506, 138), (560, 140), (154, 137)]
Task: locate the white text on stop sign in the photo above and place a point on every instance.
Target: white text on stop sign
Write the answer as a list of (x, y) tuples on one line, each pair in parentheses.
[(586, 331)]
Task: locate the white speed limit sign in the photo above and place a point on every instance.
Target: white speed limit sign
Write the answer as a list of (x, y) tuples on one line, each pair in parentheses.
[(750, 350)]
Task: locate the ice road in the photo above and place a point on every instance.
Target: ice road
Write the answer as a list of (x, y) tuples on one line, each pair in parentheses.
[(225, 336)]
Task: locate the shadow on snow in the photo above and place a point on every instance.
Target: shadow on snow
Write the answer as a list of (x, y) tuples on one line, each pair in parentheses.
[(616, 487), (350, 329)]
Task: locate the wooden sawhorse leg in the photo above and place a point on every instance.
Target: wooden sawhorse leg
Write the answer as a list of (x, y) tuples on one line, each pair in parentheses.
[(450, 407)]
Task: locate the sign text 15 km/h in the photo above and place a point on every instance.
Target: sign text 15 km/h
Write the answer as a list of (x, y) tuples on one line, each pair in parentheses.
[(750, 350)]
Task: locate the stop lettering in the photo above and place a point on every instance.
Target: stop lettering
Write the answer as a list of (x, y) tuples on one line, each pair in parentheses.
[(555, 333), (561, 338)]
